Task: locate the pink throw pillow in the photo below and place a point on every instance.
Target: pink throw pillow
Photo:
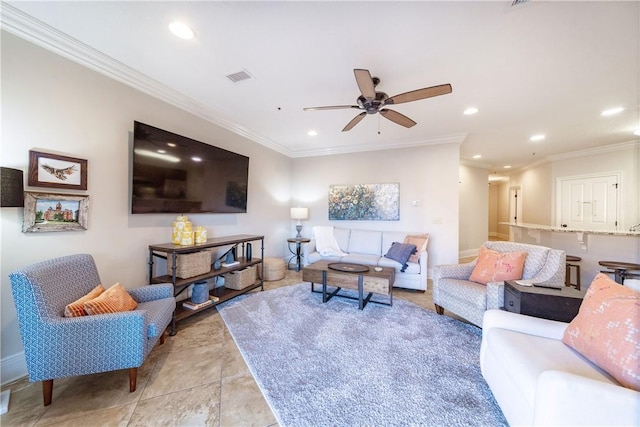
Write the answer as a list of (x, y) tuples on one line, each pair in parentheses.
[(494, 266), (607, 330), (420, 240)]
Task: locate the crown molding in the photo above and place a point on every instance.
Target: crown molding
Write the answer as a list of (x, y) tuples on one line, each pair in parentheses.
[(456, 138), (37, 32), (595, 151)]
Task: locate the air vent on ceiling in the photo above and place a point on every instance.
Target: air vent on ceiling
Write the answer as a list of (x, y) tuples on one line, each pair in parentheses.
[(517, 2), (239, 76)]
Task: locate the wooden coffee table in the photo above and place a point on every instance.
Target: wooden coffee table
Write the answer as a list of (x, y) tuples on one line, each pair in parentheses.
[(369, 282)]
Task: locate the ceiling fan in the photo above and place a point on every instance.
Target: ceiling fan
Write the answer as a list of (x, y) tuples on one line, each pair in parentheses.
[(372, 102)]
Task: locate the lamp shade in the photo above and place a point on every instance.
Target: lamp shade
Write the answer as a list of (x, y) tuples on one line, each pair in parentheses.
[(11, 188), (299, 213)]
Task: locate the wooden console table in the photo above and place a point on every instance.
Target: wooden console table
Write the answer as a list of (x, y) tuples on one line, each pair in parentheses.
[(223, 294)]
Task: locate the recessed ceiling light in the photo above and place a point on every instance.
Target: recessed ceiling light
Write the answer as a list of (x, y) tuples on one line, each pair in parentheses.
[(196, 159), (181, 30), (538, 137), (162, 151), (312, 133), (612, 111), (470, 111), (477, 156), (171, 144), (507, 167)]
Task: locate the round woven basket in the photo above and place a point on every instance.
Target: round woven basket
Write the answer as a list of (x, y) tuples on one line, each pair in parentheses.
[(274, 269)]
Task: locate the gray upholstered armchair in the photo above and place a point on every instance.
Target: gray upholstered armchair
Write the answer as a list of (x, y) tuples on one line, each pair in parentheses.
[(56, 346), (452, 289)]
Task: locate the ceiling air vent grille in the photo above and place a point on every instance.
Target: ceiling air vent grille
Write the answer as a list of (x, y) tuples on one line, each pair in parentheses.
[(518, 2), (239, 76)]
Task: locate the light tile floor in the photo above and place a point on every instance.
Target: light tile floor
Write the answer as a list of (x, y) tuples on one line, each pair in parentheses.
[(196, 378)]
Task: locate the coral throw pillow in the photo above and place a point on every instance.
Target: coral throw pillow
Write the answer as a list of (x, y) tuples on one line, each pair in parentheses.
[(420, 240), (76, 308), (607, 330), (113, 300), (494, 266)]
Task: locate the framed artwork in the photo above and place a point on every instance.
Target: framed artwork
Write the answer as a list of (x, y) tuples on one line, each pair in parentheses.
[(54, 212), (365, 202), (55, 171)]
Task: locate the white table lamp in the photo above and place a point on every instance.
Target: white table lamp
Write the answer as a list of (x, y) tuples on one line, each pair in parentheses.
[(299, 214)]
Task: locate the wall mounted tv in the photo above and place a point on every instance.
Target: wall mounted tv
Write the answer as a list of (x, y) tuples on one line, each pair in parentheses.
[(175, 174)]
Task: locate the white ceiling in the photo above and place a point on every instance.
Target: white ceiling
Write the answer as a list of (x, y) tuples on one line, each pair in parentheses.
[(539, 67)]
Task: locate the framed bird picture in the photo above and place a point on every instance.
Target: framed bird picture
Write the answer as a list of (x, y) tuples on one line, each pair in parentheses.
[(56, 171)]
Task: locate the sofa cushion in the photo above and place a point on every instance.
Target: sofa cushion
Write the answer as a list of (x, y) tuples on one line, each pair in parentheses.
[(365, 242), (526, 356), (113, 300), (607, 330), (494, 266), (76, 308), (421, 241), (365, 259), (411, 268), (342, 237)]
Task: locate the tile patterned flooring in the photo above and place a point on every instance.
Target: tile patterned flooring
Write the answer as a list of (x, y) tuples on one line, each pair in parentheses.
[(196, 378)]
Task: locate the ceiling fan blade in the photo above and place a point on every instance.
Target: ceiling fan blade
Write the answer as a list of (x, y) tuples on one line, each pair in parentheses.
[(331, 107), (398, 118), (354, 121), (365, 83), (415, 95)]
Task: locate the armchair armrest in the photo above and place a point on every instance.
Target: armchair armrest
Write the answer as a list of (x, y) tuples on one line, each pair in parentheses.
[(525, 324), (553, 270), (151, 292), (563, 398), (308, 248), (453, 271)]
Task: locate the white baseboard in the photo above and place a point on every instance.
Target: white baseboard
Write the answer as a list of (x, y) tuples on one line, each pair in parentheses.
[(13, 368)]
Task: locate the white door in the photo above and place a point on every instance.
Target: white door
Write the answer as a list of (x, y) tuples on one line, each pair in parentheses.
[(515, 208), (589, 203)]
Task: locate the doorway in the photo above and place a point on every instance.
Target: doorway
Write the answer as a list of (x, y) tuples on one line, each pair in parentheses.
[(588, 202)]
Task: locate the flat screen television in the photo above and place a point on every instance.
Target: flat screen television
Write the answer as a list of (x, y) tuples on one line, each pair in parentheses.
[(176, 174)]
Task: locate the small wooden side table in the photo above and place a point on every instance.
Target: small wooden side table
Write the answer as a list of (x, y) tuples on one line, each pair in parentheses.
[(560, 304), (297, 253), (621, 270)]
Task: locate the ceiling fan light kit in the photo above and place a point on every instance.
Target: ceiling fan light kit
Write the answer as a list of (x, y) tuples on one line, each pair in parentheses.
[(371, 102)]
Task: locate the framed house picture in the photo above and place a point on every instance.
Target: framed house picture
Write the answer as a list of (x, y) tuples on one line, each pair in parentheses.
[(54, 212), (56, 171)]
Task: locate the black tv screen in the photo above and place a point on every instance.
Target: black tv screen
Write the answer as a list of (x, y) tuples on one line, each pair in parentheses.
[(176, 174)]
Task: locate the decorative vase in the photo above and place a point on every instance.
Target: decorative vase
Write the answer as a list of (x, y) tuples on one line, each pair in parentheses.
[(216, 265), (200, 292), (229, 258), (200, 235), (249, 252), (182, 231)]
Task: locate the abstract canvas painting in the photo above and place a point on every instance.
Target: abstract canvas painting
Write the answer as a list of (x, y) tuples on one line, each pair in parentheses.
[(365, 202)]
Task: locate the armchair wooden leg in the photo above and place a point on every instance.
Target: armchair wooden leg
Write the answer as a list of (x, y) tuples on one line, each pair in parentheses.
[(439, 310), (133, 378), (47, 391)]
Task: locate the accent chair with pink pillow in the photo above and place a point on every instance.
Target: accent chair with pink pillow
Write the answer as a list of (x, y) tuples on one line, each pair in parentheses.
[(468, 290)]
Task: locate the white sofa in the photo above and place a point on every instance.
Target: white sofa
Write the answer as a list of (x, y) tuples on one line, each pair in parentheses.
[(368, 247), (539, 381)]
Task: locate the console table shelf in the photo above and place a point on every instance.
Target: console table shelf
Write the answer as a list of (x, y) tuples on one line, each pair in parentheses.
[(166, 250)]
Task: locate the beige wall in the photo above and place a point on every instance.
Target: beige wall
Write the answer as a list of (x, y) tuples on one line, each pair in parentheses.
[(51, 104), (493, 209), (427, 175), (474, 209)]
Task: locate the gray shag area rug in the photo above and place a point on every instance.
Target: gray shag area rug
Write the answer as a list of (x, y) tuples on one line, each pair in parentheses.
[(334, 365)]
